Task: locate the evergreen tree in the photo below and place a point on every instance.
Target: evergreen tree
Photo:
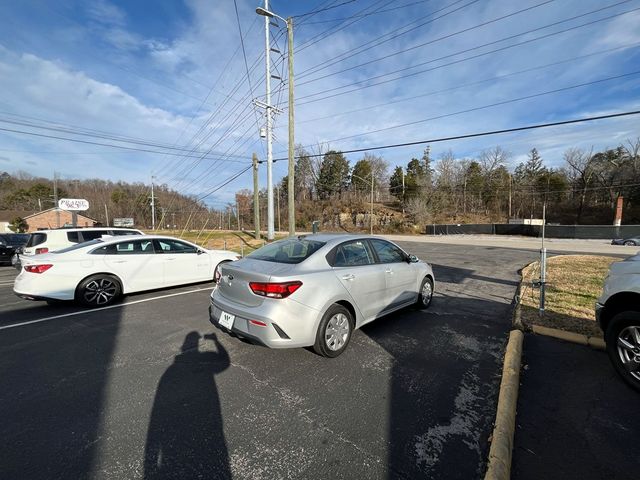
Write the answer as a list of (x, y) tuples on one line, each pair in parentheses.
[(334, 174)]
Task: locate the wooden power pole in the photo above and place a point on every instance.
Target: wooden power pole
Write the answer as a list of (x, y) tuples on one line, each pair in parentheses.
[(256, 200)]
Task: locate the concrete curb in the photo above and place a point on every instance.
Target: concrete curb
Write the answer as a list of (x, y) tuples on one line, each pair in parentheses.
[(499, 467), (593, 342)]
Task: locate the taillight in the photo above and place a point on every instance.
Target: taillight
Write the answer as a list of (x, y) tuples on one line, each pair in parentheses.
[(38, 268), (42, 250), (274, 290)]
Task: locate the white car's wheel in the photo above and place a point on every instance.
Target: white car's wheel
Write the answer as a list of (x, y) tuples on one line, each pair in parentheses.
[(98, 290)]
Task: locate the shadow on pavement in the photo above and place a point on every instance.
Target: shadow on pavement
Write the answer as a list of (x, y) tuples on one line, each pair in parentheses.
[(185, 437), (576, 417)]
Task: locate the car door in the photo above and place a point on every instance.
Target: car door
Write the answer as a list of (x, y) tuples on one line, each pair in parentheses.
[(136, 263), (183, 262), (354, 265), (400, 275)]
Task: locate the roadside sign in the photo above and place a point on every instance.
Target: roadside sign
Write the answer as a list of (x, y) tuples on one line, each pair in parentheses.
[(123, 222), (73, 204)]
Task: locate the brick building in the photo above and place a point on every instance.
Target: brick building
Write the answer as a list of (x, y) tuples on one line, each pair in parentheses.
[(47, 219)]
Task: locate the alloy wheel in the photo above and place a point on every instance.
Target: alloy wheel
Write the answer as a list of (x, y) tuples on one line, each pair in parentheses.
[(100, 291), (426, 293), (629, 349)]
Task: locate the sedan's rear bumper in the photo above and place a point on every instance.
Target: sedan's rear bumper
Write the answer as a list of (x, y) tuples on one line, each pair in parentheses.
[(285, 324)]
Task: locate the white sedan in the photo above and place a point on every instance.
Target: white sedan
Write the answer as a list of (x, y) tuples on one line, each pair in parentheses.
[(96, 273)]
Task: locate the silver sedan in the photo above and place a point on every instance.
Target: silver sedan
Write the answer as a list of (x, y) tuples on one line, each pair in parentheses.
[(316, 290)]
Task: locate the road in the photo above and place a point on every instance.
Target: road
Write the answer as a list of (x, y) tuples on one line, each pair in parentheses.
[(149, 389)]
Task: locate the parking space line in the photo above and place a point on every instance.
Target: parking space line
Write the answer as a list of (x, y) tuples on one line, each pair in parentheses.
[(2, 284), (55, 317)]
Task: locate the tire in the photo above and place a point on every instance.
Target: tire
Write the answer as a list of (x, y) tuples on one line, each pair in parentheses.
[(334, 331), (216, 271), (629, 243), (425, 294), (98, 291), (623, 346)]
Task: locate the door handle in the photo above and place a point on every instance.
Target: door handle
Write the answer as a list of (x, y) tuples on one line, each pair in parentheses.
[(119, 261), (167, 259), (350, 276), (389, 271)]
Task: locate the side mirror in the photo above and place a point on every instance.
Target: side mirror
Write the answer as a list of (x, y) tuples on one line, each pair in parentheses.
[(199, 252), (412, 259)]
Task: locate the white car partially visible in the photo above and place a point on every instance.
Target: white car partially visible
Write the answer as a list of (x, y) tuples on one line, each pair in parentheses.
[(98, 272)]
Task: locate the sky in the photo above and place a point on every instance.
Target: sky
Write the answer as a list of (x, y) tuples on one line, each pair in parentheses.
[(130, 90)]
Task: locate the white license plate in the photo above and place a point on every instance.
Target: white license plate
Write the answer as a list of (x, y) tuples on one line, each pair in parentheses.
[(226, 320)]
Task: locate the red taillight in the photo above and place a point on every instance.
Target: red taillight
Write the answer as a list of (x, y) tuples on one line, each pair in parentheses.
[(274, 290), (258, 323), (38, 268), (42, 250)]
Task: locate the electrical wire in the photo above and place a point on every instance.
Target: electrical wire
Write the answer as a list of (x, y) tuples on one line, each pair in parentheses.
[(480, 134)]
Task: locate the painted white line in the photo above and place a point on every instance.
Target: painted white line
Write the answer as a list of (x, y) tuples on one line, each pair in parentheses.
[(82, 312), (2, 284)]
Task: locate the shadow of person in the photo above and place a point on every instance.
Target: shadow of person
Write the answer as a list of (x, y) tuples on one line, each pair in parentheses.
[(185, 437)]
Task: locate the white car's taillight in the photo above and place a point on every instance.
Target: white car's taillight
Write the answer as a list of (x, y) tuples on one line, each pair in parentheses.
[(38, 268)]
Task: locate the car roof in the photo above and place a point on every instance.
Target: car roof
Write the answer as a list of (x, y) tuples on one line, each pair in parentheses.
[(334, 238), (84, 229)]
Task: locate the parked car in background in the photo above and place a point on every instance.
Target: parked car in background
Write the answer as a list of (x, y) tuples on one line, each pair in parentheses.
[(45, 241), (316, 290), (618, 313), (629, 242), (98, 272), (10, 243)]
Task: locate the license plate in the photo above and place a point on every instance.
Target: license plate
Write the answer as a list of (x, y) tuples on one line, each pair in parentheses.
[(226, 320)]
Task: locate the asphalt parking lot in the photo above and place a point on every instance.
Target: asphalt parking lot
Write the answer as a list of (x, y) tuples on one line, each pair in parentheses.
[(150, 389)]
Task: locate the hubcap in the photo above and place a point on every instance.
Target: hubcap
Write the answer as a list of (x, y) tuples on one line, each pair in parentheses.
[(100, 291), (629, 350), (427, 291), (337, 331)]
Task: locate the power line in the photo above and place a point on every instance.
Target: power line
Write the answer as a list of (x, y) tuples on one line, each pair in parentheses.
[(315, 12), (87, 142), (478, 82), (369, 14), (225, 183), (435, 40), (507, 47), (482, 134), (504, 102)]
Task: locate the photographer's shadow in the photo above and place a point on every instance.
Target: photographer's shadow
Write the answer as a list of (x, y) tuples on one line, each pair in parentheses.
[(185, 437)]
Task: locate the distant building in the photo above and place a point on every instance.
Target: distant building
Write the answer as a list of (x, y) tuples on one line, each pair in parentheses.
[(6, 216), (47, 219)]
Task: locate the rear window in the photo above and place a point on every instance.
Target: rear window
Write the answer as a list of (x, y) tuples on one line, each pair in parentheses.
[(287, 251), (73, 237), (16, 239), (93, 234), (77, 246), (36, 239), (124, 232)]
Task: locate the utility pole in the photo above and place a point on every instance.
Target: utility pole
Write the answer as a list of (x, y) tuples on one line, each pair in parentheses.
[(256, 199), (278, 199), (291, 184), (371, 220), (509, 199), (55, 198), (238, 215), (153, 206), (106, 214), (402, 191), (267, 46)]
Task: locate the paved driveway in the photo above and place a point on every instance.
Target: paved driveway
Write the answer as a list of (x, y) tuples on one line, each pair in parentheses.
[(150, 389)]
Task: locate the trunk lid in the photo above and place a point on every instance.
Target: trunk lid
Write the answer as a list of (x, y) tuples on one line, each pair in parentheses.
[(234, 283)]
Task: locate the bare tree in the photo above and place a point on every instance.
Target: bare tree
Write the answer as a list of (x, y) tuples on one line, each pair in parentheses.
[(582, 171)]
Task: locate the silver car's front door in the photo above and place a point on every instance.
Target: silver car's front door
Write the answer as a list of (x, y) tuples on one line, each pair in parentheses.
[(399, 274), (354, 266)]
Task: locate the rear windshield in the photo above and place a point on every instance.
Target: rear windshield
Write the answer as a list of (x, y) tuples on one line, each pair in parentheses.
[(287, 251), (36, 239), (124, 232), (16, 239), (77, 246)]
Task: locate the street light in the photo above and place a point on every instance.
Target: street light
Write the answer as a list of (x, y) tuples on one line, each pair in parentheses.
[(265, 12), (371, 182)]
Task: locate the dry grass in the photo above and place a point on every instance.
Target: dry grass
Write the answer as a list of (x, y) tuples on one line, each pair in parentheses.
[(574, 282), (241, 242)]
